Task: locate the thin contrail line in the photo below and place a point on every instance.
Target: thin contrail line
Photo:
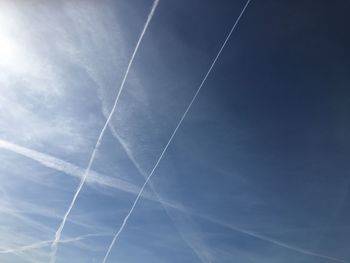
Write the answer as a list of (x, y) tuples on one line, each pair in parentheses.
[(70, 169), (75, 171), (196, 247), (54, 245), (46, 243), (291, 247), (173, 134), (269, 239)]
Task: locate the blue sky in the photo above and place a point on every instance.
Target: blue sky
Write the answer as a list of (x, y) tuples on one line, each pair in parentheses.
[(257, 172)]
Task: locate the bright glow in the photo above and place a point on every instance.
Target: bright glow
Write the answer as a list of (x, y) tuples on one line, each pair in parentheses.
[(20, 60), (9, 52)]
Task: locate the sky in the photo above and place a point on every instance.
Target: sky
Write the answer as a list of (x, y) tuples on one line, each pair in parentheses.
[(258, 171)]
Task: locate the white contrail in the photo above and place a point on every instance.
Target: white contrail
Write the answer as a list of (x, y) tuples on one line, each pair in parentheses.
[(199, 251), (46, 243), (198, 246), (94, 177), (54, 245), (173, 134), (273, 241), (73, 170)]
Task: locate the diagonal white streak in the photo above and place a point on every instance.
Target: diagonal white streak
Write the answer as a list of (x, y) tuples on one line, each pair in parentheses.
[(45, 243), (291, 247), (76, 171), (54, 245), (173, 134), (198, 247), (70, 169), (270, 240)]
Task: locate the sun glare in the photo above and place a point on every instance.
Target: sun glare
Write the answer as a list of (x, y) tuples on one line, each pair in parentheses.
[(9, 52)]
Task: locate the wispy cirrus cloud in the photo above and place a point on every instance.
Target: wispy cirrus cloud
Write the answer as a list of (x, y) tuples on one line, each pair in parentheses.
[(46, 243), (74, 170)]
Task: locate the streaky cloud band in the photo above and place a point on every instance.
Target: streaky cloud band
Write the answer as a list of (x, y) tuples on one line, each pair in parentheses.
[(46, 243), (76, 171)]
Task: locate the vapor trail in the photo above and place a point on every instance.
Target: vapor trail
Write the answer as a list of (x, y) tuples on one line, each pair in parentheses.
[(198, 246), (68, 168), (173, 134), (46, 243), (73, 170), (293, 248), (275, 242), (54, 245)]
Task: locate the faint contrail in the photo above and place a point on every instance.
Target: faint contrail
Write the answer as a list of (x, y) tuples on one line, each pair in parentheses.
[(173, 134), (291, 247), (58, 233), (46, 243), (73, 170), (273, 241), (198, 246)]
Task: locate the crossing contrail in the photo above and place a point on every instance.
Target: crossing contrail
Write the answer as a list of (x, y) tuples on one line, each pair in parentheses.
[(45, 243), (54, 245), (72, 170), (76, 171), (198, 246), (173, 134)]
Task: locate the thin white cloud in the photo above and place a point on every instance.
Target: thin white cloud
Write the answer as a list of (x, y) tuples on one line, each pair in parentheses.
[(20, 213), (45, 243), (9, 214)]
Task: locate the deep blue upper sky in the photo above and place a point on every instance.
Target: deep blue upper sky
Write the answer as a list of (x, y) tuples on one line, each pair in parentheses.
[(258, 171)]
